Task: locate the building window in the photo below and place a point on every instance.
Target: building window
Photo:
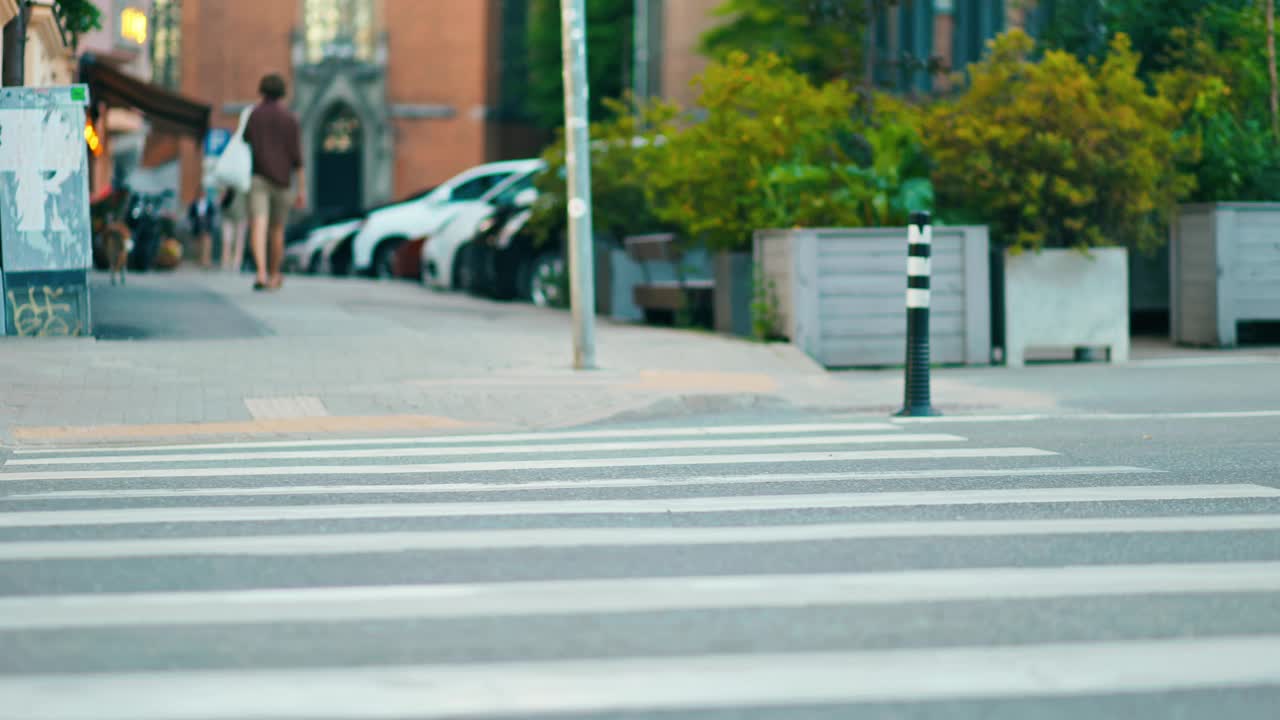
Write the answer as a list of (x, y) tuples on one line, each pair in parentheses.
[(339, 29), (166, 43)]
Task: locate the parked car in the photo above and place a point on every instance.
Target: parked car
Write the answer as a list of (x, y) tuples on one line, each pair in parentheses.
[(446, 263), (308, 256), (374, 247), (503, 256)]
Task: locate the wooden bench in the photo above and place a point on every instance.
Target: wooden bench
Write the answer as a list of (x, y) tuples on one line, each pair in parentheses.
[(664, 301)]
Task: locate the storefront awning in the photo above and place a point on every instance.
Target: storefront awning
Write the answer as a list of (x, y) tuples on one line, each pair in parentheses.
[(166, 110)]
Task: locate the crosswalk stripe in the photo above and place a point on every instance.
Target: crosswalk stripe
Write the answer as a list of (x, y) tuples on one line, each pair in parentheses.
[(756, 503), (576, 484), (490, 438), (335, 544), (699, 444), (655, 684), (628, 595), (557, 464)]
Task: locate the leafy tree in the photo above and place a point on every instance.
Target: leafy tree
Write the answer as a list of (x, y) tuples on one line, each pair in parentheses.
[(609, 32), (1086, 27), (1220, 83), (622, 147), (78, 16), (776, 150), (821, 38), (1058, 153)]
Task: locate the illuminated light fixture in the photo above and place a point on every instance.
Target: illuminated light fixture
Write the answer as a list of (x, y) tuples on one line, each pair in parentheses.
[(91, 137), (133, 25)]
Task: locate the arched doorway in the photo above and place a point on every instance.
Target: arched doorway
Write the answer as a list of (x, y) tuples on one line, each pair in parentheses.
[(339, 164)]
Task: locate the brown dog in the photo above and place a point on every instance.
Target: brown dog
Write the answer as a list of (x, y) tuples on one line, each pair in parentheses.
[(118, 241)]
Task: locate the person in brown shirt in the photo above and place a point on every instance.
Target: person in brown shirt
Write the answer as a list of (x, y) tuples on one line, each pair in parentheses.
[(274, 135)]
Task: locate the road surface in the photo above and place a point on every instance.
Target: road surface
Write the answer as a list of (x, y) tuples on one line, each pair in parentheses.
[(764, 568)]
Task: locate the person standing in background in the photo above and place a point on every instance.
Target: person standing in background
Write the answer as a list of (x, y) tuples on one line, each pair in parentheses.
[(274, 134), (235, 225), (201, 216)]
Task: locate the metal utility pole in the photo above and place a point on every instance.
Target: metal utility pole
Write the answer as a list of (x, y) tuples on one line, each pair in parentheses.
[(15, 44), (641, 69), (582, 291)]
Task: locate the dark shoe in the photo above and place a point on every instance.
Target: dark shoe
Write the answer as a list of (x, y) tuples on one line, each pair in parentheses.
[(259, 285)]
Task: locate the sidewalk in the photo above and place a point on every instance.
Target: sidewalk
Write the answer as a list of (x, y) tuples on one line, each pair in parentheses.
[(193, 356)]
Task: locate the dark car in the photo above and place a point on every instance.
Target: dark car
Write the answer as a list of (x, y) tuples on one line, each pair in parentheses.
[(510, 261)]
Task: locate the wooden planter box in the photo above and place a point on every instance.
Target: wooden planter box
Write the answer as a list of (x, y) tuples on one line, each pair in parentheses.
[(1224, 267), (733, 287), (1066, 299), (840, 294)]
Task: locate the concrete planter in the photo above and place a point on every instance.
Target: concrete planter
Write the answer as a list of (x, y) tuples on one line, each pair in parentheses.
[(1225, 269), (840, 294), (1066, 299), (732, 304)]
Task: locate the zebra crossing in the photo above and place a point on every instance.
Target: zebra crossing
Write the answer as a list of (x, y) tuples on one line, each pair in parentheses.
[(641, 571)]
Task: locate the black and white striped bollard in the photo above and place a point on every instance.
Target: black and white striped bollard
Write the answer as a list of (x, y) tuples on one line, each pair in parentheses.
[(916, 402)]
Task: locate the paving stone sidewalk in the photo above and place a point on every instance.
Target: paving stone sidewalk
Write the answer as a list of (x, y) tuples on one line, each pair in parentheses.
[(193, 354)]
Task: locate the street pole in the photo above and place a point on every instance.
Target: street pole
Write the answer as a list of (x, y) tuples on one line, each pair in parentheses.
[(13, 72), (582, 293), (641, 70)]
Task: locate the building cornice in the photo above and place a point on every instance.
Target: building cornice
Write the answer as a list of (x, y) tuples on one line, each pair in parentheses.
[(44, 25), (8, 11)]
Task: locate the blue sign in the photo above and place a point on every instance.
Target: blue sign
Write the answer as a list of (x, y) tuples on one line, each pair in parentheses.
[(216, 141)]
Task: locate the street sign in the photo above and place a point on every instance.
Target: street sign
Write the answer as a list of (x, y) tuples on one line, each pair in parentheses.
[(216, 141)]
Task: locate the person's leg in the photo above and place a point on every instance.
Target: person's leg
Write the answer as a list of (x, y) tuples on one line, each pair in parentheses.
[(281, 202), (228, 243), (241, 236), (206, 249), (277, 254), (259, 215)]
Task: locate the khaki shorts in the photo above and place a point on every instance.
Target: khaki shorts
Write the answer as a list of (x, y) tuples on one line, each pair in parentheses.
[(266, 199)]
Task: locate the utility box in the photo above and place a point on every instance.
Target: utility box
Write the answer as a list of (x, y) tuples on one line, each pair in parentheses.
[(46, 235)]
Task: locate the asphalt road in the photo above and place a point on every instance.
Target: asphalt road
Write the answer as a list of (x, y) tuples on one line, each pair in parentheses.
[(760, 566)]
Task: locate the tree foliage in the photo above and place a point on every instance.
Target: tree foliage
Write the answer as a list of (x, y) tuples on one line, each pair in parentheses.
[(775, 150), (623, 146), (609, 32), (78, 16), (824, 39), (1059, 153)]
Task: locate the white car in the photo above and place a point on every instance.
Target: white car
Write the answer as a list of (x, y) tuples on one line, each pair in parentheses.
[(384, 230), (441, 258), (308, 255)]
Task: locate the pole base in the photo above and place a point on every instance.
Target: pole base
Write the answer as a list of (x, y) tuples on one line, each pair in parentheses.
[(918, 411)]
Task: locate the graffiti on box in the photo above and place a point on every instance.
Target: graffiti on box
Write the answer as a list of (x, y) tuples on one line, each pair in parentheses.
[(43, 312)]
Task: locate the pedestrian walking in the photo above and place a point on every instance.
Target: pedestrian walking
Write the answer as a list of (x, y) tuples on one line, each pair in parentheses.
[(235, 228), (201, 215), (274, 135)]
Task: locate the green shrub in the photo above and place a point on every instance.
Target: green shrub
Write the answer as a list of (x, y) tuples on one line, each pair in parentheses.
[(1057, 153), (772, 150)]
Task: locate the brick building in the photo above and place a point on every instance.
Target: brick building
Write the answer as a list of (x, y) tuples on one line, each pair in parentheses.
[(394, 95)]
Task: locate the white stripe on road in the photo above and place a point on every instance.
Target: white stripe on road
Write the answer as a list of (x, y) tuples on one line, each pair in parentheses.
[(752, 503), (491, 438), (654, 684), (493, 466), (701, 444), (627, 595), (1087, 417), (594, 483), (393, 542)]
